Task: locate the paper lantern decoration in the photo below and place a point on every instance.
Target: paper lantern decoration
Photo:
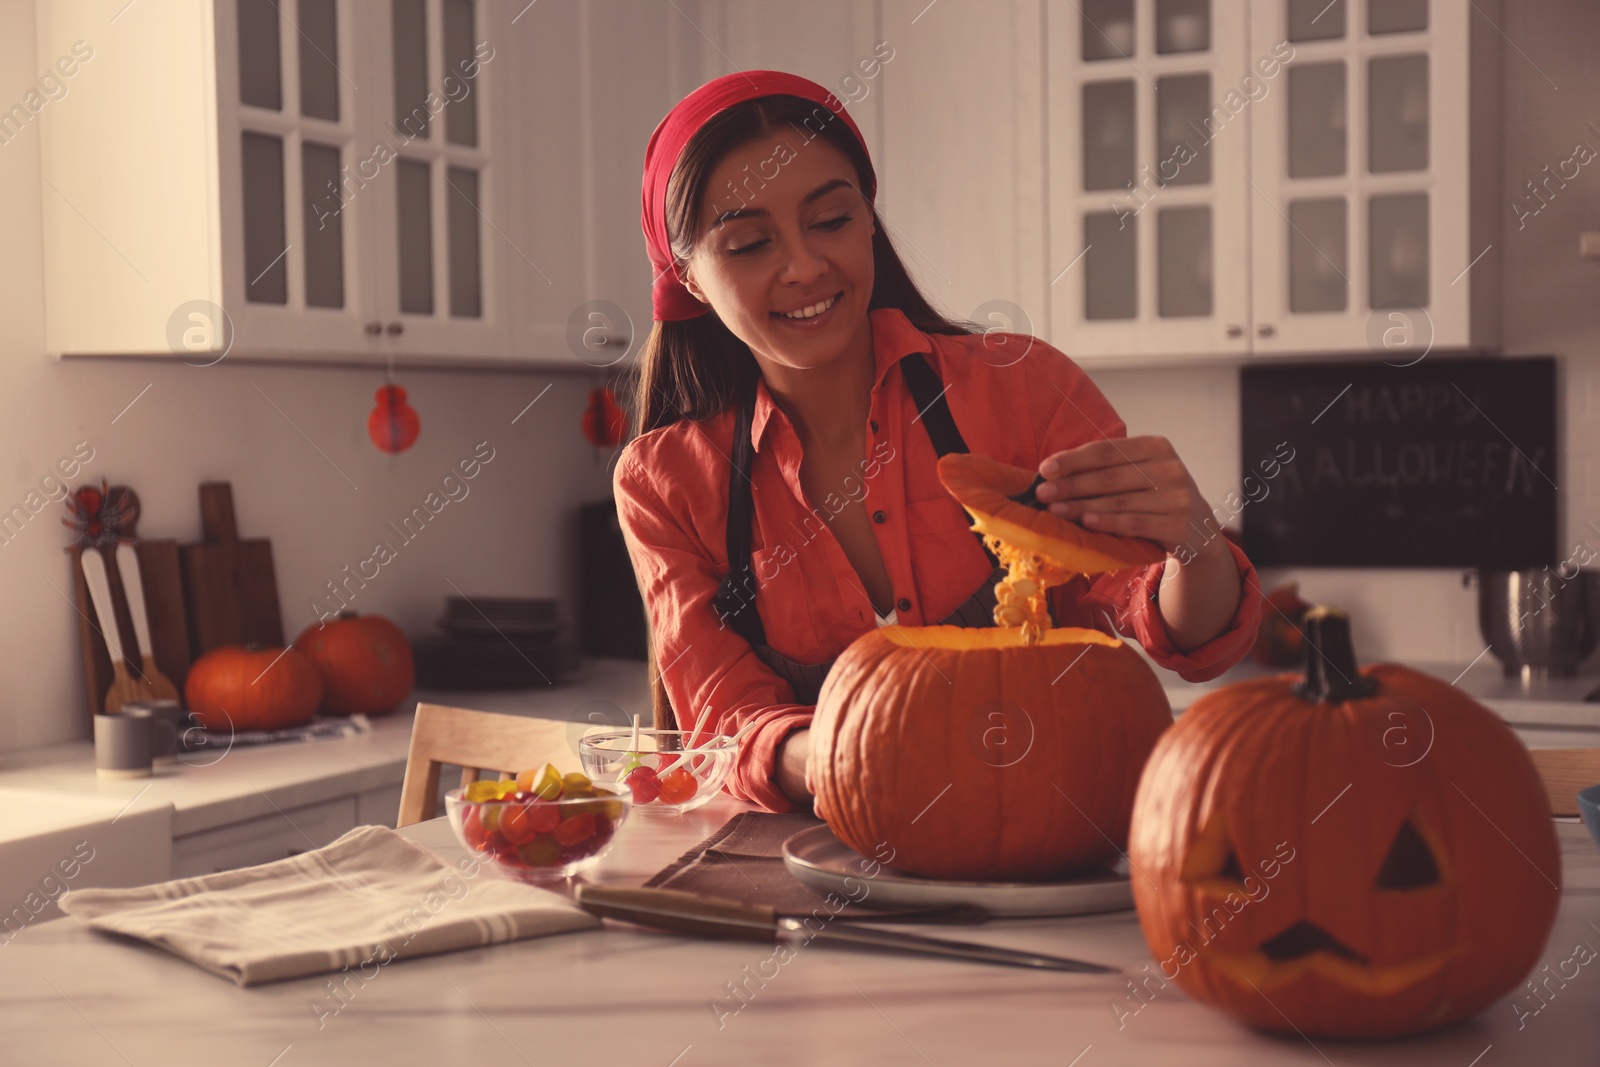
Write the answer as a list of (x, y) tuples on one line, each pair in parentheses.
[(393, 424), (604, 421)]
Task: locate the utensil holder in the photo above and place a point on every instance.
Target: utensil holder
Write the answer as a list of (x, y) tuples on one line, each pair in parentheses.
[(122, 745), (169, 627)]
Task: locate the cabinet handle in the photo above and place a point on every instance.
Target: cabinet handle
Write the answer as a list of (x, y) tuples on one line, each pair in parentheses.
[(396, 329), (1235, 331), (374, 328), (1266, 329)]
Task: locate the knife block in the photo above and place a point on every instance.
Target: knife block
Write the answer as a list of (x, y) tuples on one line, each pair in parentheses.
[(164, 604)]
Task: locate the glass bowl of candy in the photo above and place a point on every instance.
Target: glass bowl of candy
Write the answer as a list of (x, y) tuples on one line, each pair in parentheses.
[(663, 771), (540, 826)]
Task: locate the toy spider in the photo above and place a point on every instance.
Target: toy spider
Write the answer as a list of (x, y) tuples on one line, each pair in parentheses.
[(102, 517)]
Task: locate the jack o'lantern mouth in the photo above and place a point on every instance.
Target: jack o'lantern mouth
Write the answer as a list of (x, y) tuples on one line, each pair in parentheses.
[(1306, 948), (1304, 938)]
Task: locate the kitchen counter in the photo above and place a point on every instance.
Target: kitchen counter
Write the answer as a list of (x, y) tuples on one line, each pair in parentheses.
[(1556, 702), (221, 809), (210, 789), (626, 995)]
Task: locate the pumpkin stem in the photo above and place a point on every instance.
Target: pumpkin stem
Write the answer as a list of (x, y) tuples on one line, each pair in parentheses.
[(1331, 674)]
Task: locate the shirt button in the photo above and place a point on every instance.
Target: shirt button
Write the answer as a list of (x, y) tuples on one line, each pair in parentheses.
[(879, 516), (874, 425), (903, 604)]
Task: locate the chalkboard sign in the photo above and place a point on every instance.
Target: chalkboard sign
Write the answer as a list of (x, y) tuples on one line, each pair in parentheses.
[(1446, 463)]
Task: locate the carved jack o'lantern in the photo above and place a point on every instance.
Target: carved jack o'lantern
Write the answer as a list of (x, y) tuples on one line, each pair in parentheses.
[(1366, 854)]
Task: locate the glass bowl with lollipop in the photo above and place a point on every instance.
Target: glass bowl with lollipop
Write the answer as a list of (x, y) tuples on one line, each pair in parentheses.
[(666, 771)]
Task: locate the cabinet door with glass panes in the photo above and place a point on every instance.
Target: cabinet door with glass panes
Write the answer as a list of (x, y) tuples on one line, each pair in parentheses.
[(438, 197), (1374, 177), (295, 256), (1149, 105)]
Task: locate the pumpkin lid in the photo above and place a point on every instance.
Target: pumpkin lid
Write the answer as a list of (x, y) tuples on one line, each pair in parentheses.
[(985, 486)]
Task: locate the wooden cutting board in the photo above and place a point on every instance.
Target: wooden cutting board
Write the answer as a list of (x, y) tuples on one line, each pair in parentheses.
[(229, 585)]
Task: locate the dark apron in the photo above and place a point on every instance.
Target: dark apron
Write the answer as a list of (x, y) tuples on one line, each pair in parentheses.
[(740, 611)]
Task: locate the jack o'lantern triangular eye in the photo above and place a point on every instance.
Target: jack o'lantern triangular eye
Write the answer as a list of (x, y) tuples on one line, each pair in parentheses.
[(1230, 868), (1211, 855), (1410, 863)]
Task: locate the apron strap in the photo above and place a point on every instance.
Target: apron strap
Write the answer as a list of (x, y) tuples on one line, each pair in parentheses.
[(936, 419), (735, 599)]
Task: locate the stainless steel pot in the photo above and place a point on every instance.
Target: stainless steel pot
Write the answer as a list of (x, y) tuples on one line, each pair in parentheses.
[(1538, 623)]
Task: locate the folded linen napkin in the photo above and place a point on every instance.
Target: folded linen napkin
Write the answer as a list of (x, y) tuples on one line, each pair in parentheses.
[(366, 899), (743, 862)]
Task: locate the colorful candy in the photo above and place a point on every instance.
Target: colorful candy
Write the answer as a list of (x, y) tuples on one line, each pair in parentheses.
[(521, 822), (644, 783), (678, 786)]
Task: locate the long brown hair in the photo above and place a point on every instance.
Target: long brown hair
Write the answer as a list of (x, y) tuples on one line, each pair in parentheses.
[(696, 368)]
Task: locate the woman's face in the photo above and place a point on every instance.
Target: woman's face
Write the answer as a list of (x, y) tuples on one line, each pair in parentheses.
[(783, 228)]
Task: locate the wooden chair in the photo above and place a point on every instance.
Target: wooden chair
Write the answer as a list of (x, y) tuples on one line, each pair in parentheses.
[(475, 741), (1564, 771)]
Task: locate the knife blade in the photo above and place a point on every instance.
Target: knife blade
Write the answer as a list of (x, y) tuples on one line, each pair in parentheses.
[(670, 909)]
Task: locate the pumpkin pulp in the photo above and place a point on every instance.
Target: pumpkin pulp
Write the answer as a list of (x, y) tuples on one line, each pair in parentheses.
[(1039, 550)]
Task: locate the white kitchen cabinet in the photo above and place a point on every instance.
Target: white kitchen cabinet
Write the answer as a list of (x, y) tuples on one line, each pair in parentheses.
[(1268, 177), (1375, 169), (303, 182), (829, 41), (963, 158), (1150, 202), (263, 839), (595, 77)]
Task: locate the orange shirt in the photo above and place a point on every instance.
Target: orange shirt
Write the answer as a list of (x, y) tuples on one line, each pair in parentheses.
[(671, 488)]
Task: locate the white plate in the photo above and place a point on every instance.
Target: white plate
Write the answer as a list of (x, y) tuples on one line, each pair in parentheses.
[(823, 862)]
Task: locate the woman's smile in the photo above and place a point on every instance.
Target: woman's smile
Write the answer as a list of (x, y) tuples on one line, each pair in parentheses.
[(813, 316)]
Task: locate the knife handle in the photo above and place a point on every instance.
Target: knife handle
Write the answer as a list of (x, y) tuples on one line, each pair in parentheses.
[(688, 913)]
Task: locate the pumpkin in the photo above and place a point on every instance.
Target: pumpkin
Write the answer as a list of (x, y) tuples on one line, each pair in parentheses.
[(365, 663), (1280, 641), (251, 687), (1361, 853), (1009, 753)]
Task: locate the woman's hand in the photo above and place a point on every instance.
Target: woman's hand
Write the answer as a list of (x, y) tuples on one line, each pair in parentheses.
[(1133, 486), (1138, 487), (794, 755)]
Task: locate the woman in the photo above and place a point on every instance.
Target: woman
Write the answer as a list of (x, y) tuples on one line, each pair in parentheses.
[(781, 497)]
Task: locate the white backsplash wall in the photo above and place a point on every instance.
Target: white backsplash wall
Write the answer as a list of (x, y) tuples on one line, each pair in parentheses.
[(1552, 306), (513, 533)]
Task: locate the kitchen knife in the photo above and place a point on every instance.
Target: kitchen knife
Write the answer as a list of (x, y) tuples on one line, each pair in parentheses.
[(689, 913)]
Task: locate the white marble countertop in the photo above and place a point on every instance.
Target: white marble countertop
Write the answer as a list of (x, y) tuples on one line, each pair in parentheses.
[(1554, 702), (623, 995), (214, 788)]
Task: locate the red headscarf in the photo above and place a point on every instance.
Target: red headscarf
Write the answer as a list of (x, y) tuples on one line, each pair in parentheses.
[(672, 302)]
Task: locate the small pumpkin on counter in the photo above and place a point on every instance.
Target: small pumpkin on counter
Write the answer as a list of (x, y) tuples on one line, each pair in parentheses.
[(252, 687), (992, 754), (365, 662), (1356, 854), (1280, 641)]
